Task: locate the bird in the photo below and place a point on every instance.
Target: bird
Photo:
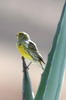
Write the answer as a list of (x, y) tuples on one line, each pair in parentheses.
[(28, 49)]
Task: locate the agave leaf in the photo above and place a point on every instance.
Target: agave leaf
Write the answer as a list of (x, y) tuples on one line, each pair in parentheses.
[(51, 81), (27, 88)]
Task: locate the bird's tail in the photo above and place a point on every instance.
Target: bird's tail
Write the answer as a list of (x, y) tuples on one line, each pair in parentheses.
[(42, 64), (41, 61)]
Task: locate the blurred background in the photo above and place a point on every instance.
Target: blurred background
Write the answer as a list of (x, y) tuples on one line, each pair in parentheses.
[(39, 18)]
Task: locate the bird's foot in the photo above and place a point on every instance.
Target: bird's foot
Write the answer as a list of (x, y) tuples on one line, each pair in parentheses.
[(27, 67), (29, 64)]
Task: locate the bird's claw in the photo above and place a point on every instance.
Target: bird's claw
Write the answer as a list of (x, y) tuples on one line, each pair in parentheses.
[(27, 67)]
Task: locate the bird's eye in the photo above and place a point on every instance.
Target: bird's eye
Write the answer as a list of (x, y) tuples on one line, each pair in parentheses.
[(20, 33)]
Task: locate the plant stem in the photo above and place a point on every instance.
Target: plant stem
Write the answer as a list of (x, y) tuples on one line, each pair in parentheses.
[(27, 87)]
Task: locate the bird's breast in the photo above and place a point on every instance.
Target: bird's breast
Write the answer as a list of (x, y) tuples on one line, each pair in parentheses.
[(24, 52)]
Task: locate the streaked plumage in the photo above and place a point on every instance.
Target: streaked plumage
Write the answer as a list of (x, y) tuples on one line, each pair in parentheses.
[(28, 48)]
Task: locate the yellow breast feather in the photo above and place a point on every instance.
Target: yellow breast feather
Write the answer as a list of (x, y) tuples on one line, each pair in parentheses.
[(24, 52)]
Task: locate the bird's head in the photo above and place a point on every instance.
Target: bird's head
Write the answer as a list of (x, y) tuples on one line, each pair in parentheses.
[(22, 36)]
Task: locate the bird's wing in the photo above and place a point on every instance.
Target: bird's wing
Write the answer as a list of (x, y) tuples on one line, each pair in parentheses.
[(32, 46), (33, 51)]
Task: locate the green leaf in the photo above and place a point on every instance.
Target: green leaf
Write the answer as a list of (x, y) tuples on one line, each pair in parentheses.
[(27, 88), (51, 81)]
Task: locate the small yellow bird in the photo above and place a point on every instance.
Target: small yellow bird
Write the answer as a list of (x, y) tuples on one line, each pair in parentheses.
[(28, 48)]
